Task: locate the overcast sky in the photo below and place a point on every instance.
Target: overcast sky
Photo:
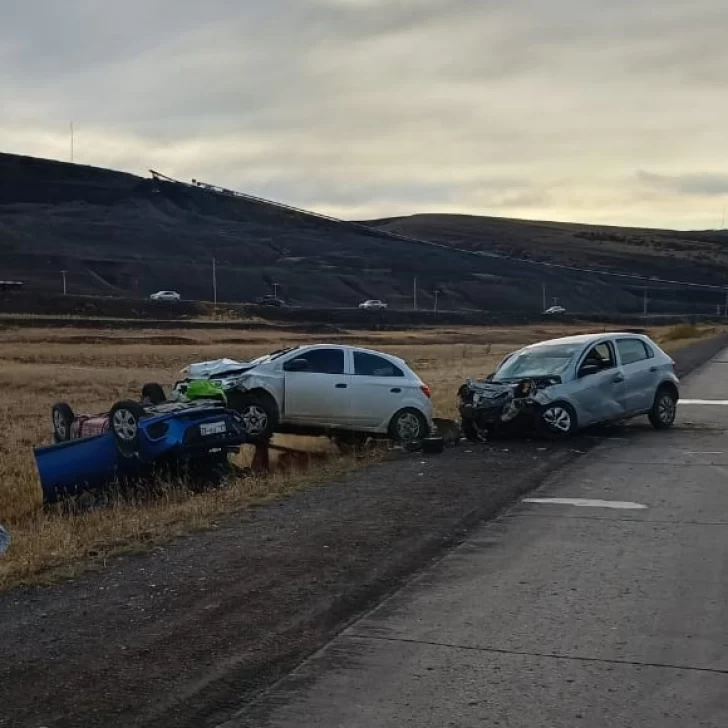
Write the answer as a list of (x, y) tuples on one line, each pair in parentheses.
[(608, 111)]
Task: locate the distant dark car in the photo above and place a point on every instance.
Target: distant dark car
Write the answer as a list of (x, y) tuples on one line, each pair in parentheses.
[(133, 439), (270, 301)]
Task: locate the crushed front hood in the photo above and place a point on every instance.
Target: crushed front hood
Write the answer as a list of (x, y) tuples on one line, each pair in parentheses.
[(502, 401), (216, 368)]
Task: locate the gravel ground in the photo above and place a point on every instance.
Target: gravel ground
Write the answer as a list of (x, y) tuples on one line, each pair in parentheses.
[(186, 634)]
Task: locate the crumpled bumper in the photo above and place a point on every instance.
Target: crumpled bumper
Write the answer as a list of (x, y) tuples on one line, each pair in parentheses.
[(489, 404)]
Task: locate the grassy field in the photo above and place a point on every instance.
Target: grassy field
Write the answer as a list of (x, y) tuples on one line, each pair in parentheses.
[(92, 369)]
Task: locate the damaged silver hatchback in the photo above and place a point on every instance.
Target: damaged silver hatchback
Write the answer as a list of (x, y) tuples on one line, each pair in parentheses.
[(563, 385)]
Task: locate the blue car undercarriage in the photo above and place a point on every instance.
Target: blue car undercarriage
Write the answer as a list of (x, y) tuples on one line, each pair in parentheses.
[(132, 441)]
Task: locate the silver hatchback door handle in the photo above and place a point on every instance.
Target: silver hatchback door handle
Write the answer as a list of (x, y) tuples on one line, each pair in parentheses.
[(618, 378)]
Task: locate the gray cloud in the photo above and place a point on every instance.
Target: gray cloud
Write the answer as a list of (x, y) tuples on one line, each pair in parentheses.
[(708, 185), (368, 107)]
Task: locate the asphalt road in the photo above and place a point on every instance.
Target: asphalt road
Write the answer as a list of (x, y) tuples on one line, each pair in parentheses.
[(611, 614)]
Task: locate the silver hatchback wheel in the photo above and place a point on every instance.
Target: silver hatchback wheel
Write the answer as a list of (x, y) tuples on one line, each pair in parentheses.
[(666, 409), (558, 419), (255, 419), (408, 425)]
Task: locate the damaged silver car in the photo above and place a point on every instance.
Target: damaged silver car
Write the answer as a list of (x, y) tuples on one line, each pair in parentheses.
[(563, 385), (330, 389)]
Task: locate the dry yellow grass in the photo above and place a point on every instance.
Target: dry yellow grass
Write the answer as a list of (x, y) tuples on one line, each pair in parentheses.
[(93, 368)]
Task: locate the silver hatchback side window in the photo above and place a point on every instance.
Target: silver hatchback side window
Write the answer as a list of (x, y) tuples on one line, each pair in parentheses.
[(601, 356), (632, 350)]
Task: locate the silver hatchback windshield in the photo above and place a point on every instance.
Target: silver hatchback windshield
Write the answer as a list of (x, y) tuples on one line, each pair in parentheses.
[(540, 361)]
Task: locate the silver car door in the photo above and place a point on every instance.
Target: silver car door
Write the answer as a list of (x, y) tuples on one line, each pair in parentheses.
[(318, 393), (598, 390), (377, 389), (640, 374)]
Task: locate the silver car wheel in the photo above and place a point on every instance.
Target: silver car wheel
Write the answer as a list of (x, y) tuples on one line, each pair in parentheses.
[(558, 419), (255, 419), (125, 425), (666, 409), (60, 424), (408, 427)]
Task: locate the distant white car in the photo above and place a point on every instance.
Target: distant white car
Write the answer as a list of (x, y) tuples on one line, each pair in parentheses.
[(373, 304), (322, 389), (165, 296), (554, 311)]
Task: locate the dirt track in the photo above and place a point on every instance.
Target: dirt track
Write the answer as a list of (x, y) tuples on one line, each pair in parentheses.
[(184, 635)]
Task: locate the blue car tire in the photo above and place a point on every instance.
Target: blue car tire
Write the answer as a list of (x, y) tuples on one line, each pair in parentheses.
[(63, 418), (124, 425)]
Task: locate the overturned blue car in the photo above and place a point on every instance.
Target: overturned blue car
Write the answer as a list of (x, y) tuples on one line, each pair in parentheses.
[(134, 440)]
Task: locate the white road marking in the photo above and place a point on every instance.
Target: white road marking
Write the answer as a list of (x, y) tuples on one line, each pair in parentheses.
[(704, 452), (588, 503), (720, 402)]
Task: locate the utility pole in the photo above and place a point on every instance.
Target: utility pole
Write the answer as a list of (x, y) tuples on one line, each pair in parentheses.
[(437, 293), (725, 310), (214, 281), (65, 289), (275, 289), (414, 293), (644, 301), (543, 296)]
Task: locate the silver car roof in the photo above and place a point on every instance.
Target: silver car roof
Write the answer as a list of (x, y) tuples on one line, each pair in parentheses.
[(586, 339)]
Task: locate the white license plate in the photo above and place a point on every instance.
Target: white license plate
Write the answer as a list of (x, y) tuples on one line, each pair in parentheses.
[(213, 428)]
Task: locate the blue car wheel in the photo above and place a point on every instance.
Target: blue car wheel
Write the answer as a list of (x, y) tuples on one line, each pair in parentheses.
[(63, 418), (124, 425)]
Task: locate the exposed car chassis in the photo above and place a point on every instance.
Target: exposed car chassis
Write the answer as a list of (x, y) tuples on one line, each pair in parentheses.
[(134, 440)]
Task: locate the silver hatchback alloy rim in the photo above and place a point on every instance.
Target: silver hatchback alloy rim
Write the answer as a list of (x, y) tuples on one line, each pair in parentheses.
[(557, 418), (408, 426), (125, 425), (255, 419), (666, 409)]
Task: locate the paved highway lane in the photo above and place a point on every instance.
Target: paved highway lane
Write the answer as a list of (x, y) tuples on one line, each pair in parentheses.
[(560, 613)]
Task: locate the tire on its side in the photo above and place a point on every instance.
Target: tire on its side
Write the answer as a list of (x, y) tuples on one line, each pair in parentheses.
[(664, 408), (258, 411), (63, 417), (408, 425), (124, 420), (153, 393), (558, 420)]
